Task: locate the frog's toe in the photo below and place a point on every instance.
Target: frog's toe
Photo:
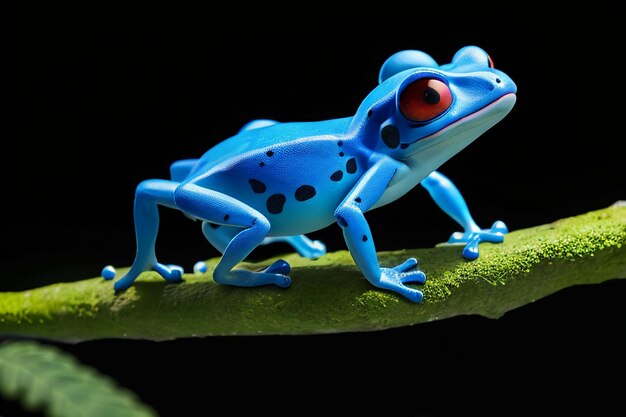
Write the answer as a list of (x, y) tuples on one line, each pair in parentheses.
[(470, 251), (108, 272), (472, 239), (407, 265), (279, 267), (457, 237), (499, 227), (415, 295), (317, 250), (282, 281), (417, 277), (394, 279), (493, 235), (171, 273), (200, 268)]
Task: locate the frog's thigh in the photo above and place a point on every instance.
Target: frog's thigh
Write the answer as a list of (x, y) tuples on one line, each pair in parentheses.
[(215, 207), (180, 169), (218, 235)]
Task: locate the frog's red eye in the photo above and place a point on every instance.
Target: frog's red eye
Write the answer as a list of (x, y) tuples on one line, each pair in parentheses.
[(425, 99), (490, 62)]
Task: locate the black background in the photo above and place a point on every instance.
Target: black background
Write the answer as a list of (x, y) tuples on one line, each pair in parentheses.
[(96, 105)]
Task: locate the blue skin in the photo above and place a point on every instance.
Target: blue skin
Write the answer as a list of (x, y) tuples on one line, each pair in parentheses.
[(277, 181)]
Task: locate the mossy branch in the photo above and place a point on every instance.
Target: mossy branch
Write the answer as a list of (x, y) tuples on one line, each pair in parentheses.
[(330, 294)]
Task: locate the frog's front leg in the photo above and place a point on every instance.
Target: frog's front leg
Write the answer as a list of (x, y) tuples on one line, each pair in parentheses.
[(450, 200), (359, 239)]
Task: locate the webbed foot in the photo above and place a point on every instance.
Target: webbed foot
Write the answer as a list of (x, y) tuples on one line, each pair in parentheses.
[(275, 274), (279, 267), (171, 273), (395, 279), (473, 238), (316, 249)]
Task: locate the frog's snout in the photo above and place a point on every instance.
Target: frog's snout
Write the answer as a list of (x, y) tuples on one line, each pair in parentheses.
[(504, 85)]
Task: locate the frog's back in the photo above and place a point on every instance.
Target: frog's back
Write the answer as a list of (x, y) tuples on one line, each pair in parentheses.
[(250, 140)]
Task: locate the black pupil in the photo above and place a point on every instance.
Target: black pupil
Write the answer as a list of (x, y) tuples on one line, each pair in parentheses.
[(431, 96)]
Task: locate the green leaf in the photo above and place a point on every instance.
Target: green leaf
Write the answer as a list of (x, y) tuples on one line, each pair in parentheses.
[(329, 294), (44, 378)]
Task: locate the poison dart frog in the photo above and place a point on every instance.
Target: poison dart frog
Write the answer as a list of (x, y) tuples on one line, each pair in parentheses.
[(278, 181)]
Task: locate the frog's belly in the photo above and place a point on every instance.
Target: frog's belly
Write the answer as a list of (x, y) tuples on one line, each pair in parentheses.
[(289, 215), (294, 201), (297, 219), (297, 186)]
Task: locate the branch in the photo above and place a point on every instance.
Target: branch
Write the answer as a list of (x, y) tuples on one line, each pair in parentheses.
[(330, 294)]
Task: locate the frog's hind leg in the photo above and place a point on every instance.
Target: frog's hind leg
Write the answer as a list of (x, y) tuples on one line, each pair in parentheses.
[(450, 200), (248, 226), (180, 169), (306, 247), (220, 236), (148, 196)]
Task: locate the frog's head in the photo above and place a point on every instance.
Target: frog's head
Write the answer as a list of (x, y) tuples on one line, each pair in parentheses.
[(424, 113)]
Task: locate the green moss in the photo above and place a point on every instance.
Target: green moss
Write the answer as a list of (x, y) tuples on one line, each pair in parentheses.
[(330, 294)]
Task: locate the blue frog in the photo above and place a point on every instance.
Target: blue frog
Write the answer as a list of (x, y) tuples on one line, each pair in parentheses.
[(277, 181)]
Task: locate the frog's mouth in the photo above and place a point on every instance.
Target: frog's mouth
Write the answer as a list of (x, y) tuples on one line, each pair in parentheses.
[(448, 141)]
